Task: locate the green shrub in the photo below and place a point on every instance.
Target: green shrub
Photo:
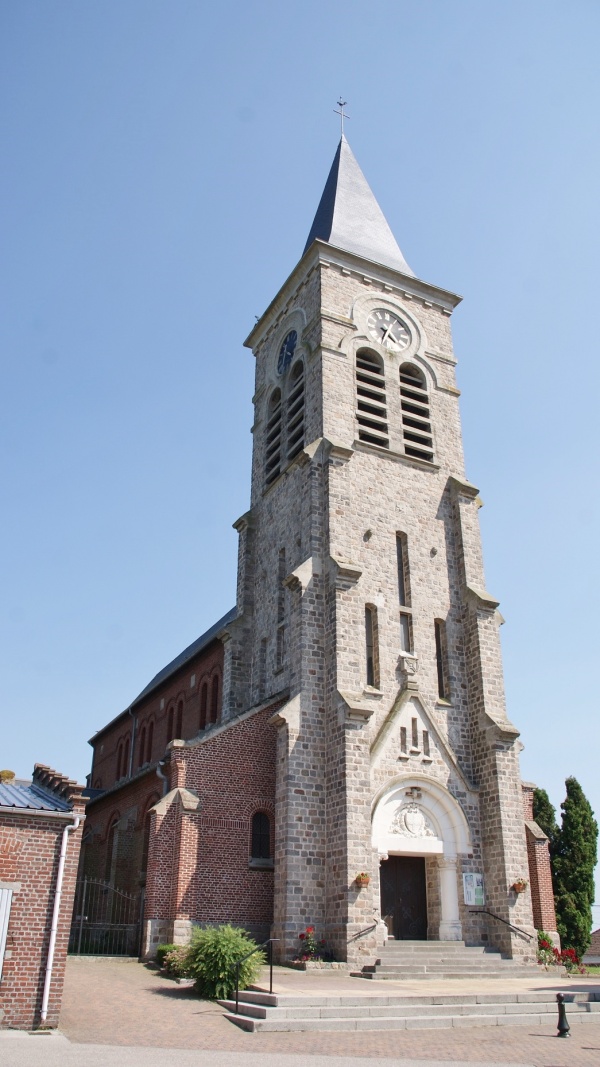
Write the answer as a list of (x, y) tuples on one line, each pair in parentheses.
[(211, 959), (177, 961), (161, 952)]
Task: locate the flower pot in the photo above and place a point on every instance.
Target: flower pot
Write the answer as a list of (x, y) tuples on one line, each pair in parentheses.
[(519, 887), (362, 880)]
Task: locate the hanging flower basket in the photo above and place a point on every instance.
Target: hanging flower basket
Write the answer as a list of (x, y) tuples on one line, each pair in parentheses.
[(520, 885), (362, 879)]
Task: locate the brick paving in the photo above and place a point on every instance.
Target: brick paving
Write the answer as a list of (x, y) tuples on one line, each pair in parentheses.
[(108, 1002)]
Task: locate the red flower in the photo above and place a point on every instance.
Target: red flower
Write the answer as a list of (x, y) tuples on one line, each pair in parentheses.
[(310, 929), (301, 936)]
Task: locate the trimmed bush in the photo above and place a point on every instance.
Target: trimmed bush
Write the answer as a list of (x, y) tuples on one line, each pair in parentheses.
[(211, 959), (161, 952)]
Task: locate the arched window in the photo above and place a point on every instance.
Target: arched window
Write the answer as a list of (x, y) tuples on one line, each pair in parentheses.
[(203, 704), (112, 845), (295, 410), (150, 742), (273, 438), (214, 698), (119, 760), (170, 717), (142, 749), (179, 722), (260, 848), (371, 411), (416, 419), (125, 768)]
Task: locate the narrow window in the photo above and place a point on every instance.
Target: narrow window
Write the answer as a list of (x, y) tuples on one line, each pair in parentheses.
[(425, 742), (280, 647), (125, 770), (142, 749), (170, 723), (372, 646), (403, 739), (119, 760), (214, 699), (203, 704), (261, 836), (371, 411), (405, 632), (415, 734), (273, 438), (441, 655), (112, 848), (295, 411), (179, 721), (416, 419), (262, 668), (280, 586), (150, 742), (403, 572)]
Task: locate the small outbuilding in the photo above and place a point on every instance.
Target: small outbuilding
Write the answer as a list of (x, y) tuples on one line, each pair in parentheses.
[(40, 838)]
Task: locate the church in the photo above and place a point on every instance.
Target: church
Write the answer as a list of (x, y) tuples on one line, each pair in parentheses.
[(335, 750)]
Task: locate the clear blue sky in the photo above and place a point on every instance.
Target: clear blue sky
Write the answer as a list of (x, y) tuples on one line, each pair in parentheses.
[(162, 165)]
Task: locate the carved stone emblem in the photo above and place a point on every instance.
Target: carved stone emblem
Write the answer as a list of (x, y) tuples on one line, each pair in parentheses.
[(411, 821)]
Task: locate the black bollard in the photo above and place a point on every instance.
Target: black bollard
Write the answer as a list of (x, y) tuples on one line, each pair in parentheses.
[(563, 1025)]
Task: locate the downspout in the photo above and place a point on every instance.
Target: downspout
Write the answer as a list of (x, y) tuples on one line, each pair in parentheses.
[(132, 749), (55, 913)]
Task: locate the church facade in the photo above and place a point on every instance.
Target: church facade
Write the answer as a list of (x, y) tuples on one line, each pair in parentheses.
[(356, 770)]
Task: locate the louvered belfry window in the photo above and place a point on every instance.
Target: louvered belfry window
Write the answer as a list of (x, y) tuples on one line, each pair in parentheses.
[(295, 411), (273, 449), (371, 410), (416, 419)]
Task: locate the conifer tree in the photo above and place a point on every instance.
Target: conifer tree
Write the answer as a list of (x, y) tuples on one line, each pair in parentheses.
[(574, 859), (545, 816)]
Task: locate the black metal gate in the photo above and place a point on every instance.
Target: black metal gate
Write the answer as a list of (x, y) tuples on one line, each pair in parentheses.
[(106, 921)]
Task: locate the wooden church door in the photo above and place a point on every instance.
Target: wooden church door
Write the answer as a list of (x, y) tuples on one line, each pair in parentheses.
[(404, 897)]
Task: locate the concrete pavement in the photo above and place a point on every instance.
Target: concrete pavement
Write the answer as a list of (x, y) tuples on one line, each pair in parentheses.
[(123, 1014)]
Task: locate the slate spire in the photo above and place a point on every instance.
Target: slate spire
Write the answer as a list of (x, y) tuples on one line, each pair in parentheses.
[(349, 217)]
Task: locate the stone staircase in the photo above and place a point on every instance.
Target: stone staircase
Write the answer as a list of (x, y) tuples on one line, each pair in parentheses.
[(271, 1011), (440, 960)]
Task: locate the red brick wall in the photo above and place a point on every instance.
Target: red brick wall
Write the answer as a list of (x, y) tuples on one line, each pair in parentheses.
[(198, 865), (175, 690), (540, 873), (128, 805), (29, 852)]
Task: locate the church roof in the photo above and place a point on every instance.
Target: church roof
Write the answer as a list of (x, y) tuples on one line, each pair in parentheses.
[(349, 217), (172, 667)]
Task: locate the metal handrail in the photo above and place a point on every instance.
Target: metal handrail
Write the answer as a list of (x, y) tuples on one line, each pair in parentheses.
[(237, 966), (517, 929), (361, 933)]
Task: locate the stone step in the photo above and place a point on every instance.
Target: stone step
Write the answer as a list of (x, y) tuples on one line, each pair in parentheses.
[(400, 1000), (368, 1011), (282, 1025), (436, 976)]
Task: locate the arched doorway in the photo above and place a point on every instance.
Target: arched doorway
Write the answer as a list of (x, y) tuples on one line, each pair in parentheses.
[(418, 832)]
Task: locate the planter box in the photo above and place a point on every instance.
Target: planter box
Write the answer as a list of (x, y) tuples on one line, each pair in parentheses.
[(316, 965)]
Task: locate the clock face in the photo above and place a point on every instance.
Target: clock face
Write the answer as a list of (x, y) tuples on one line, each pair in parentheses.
[(388, 330), (286, 352)]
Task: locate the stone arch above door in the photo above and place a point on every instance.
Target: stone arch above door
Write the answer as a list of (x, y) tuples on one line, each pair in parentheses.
[(415, 815)]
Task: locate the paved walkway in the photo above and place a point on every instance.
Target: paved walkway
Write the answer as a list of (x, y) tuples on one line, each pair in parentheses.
[(123, 1014)]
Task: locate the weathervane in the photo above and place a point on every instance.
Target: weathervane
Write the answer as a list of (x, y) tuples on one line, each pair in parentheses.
[(341, 105)]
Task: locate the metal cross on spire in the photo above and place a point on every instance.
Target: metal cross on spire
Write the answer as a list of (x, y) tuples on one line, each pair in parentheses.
[(341, 104)]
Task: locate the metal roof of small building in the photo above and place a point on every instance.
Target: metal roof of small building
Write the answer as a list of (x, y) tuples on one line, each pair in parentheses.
[(25, 796), (172, 667), (349, 217)]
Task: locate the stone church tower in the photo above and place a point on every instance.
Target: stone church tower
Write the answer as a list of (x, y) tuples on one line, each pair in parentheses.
[(362, 606)]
